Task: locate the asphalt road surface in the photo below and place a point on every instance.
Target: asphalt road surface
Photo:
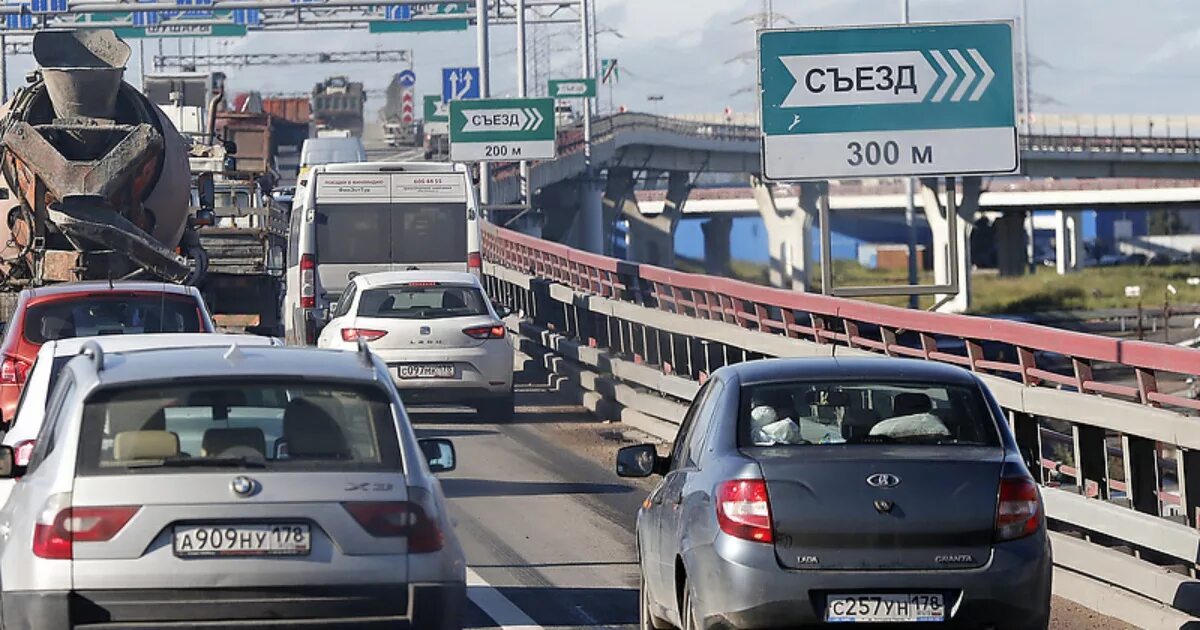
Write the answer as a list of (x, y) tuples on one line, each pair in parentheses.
[(548, 527)]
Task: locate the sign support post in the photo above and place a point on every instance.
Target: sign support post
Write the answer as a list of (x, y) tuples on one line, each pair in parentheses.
[(522, 92), (485, 90)]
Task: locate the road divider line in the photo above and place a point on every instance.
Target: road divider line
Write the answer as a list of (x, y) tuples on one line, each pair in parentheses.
[(494, 604)]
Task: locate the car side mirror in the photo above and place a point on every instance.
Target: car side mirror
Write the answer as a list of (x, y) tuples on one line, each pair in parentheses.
[(439, 454), (502, 311), (8, 463), (640, 461)]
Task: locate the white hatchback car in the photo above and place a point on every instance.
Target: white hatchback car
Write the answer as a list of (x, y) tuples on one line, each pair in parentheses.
[(438, 332), (54, 354)]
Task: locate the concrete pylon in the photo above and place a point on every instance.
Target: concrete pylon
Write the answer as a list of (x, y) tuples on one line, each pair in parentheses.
[(1068, 240), (789, 233), (1012, 254), (935, 213), (718, 256), (559, 206), (651, 237)]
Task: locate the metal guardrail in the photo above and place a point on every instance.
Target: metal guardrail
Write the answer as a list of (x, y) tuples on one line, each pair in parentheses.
[(1117, 452)]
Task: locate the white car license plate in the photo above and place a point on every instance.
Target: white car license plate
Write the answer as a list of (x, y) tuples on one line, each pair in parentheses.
[(426, 370), (243, 540), (875, 608)]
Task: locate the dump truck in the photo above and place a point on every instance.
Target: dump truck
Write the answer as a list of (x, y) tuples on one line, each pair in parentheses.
[(96, 176), (337, 103)]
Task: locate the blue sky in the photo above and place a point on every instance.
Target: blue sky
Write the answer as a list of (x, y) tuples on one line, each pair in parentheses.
[(1090, 55)]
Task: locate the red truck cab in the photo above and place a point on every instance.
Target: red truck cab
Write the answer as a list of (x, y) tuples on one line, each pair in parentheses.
[(81, 309)]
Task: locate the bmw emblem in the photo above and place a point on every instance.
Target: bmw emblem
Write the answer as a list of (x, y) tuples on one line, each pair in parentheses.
[(243, 486)]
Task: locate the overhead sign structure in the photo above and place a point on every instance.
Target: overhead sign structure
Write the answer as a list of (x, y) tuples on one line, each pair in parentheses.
[(928, 99), (502, 130), (459, 84), (572, 88), (398, 18)]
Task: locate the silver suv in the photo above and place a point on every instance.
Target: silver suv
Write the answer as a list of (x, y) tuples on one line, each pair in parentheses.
[(215, 487)]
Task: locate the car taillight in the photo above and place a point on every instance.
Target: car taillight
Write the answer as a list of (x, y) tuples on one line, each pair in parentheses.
[(491, 331), (13, 370), (365, 334), (474, 261), (59, 526), (308, 281), (21, 452), (1019, 510), (398, 519), (744, 510)]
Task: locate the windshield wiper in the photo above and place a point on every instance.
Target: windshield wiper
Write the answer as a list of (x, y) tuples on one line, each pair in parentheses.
[(200, 462)]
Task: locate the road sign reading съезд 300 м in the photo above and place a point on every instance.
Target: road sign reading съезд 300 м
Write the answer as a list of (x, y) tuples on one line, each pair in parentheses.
[(928, 99)]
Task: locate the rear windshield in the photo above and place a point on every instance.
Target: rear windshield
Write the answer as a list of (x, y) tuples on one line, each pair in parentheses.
[(401, 233), (822, 413), (422, 302), (214, 425), (92, 315)]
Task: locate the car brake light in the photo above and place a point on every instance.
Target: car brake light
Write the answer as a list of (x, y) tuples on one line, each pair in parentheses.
[(491, 331), (308, 281), (421, 284), (13, 370), (474, 261), (365, 334), (59, 526), (21, 452), (1019, 510), (744, 510), (398, 519)]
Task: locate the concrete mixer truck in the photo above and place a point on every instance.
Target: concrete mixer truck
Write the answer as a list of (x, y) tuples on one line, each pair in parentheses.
[(96, 178)]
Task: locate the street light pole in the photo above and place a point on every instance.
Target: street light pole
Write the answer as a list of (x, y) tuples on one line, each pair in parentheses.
[(485, 90), (592, 229), (522, 92), (910, 210)]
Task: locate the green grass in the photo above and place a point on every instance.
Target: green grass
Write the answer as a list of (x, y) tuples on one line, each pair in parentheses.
[(1045, 290)]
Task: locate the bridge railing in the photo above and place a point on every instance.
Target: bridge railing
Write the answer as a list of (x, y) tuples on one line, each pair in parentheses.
[(1103, 422)]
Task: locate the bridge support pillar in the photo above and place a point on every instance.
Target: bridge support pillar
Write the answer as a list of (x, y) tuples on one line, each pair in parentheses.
[(1068, 240), (651, 237), (1012, 257), (935, 212), (559, 205), (591, 231), (717, 254), (789, 233)]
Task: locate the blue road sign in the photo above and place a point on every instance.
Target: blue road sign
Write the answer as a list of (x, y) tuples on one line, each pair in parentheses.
[(398, 12), (407, 78), (879, 101), (459, 84), (48, 6)]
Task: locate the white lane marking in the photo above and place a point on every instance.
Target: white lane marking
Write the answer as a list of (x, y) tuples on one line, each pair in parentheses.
[(495, 605)]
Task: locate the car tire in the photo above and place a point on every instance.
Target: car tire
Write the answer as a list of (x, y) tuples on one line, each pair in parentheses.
[(688, 613), (498, 410), (646, 619)]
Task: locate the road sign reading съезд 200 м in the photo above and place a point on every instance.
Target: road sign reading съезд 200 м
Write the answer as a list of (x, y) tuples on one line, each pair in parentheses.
[(928, 99), (502, 130)]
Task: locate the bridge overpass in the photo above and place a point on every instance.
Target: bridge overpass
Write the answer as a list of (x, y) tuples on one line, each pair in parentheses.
[(633, 148), (1105, 423)]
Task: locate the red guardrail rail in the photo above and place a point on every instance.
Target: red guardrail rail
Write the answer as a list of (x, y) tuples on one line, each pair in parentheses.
[(885, 329)]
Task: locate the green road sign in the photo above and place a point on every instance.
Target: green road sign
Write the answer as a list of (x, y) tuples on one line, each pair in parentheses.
[(572, 88), (928, 99), (435, 109), (502, 130), (418, 26), (181, 29)]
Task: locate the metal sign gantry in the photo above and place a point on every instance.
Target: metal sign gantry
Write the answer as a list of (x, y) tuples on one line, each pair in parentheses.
[(238, 60)]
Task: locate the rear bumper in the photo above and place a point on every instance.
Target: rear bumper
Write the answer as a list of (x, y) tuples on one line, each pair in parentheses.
[(485, 371), (740, 585), (427, 606)]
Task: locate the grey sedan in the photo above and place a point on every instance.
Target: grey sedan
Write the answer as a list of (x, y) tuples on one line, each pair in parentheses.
[(815, 491)]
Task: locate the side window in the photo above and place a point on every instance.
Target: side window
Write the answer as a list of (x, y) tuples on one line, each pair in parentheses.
[(688, 424), (293, 257), (57, 408), (346, 300), (701, 425)]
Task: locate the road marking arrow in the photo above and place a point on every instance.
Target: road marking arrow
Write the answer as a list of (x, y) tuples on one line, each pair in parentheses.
[(988, 74)]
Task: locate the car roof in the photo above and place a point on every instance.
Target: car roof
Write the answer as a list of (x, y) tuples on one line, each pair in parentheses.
[(389, 278), (103, 286), (392, 167), (849, 369), (233, 361), (148, 341)]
